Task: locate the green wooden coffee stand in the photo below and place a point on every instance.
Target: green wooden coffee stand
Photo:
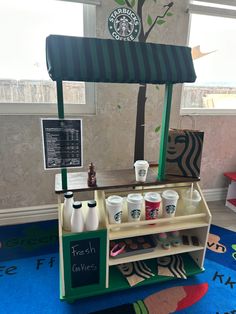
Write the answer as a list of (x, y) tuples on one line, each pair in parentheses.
[(110, 61)]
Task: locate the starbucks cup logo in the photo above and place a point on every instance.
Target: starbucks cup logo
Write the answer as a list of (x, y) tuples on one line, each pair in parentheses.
[(142, 172), (135, 213), (170, 209), (153, 213), (118, 216)]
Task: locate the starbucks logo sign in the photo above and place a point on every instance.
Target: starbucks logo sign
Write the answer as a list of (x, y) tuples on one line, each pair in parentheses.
[(124, 24)]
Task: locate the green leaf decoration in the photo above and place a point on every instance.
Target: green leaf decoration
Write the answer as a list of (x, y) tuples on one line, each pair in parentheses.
[(169, 14), (234, 247), (132, 3), (120, 2), (157, 129), (149, 20), (160, 22)]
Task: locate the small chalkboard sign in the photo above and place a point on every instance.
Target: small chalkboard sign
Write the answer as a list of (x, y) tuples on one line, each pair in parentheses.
[(84, 257), (62, 142), (85, 262)]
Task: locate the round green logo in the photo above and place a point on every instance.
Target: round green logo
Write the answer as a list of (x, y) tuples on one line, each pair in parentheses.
[(124, 24)]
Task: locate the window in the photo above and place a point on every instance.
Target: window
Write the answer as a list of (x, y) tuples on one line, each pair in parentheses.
[(25, 86), (212, 38)]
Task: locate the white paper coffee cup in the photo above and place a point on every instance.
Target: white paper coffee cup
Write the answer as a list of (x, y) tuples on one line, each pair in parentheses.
[(114, 205), (169, 202), (134, 205), (141, 169), (152, 205)]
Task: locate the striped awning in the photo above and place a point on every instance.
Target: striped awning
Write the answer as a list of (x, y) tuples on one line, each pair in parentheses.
[(106, 60)]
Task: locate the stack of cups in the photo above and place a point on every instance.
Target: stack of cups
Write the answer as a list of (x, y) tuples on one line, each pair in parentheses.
[(169, 203), (134, 205), (152, 205), (141, 169), (114, 205)]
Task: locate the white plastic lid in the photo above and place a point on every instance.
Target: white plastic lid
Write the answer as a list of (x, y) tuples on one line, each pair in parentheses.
[(114, 199), (152, 197), (143, 163), (195, 197), (135, 198), (170, 195)]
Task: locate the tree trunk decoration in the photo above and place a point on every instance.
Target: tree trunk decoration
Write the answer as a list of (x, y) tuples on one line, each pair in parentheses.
[(158, 20)]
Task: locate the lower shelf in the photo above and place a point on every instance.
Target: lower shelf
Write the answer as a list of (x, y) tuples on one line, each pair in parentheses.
[(158, 252), (117, 281)]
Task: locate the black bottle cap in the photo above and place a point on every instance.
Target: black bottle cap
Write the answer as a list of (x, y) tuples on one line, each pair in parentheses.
[(68, 194), (92, 203), (77, 205)]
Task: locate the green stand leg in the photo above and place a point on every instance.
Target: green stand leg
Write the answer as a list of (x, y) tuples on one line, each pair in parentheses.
[(60, 108), (64, 178), (60, 102), (164, 132)]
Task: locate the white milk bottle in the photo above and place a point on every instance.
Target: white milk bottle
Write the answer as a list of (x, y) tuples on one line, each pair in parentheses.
[(92, 219), (67, 210), (77, 219)]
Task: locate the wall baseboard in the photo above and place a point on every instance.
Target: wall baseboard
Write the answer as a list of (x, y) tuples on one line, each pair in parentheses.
[(215, 194), (21, 215), (14, 216)]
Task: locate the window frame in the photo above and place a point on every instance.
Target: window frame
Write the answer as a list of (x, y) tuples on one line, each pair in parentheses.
[(89, 108), (223, 12)]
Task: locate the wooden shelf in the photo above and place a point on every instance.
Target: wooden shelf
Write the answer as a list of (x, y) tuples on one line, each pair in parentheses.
[(118, 282), (182, 220), (158, 252), (160, 226), (77, 181)]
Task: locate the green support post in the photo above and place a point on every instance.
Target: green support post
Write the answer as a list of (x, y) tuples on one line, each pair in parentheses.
[(60, 109), (164, 131)]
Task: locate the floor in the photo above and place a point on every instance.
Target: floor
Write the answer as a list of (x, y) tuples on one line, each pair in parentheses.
[(222, 216)]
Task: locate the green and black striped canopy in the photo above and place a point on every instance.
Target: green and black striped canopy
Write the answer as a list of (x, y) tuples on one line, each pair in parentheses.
[(106, 60)]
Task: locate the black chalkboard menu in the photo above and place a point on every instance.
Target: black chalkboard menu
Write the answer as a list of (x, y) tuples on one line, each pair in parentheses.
[(84, 257), (85, 262), (62, 141)]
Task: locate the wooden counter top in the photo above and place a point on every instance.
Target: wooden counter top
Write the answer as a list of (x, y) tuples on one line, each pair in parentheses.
[(77, 181)]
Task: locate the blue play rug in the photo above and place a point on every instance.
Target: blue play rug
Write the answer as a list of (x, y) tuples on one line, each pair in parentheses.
[(29, 279)]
